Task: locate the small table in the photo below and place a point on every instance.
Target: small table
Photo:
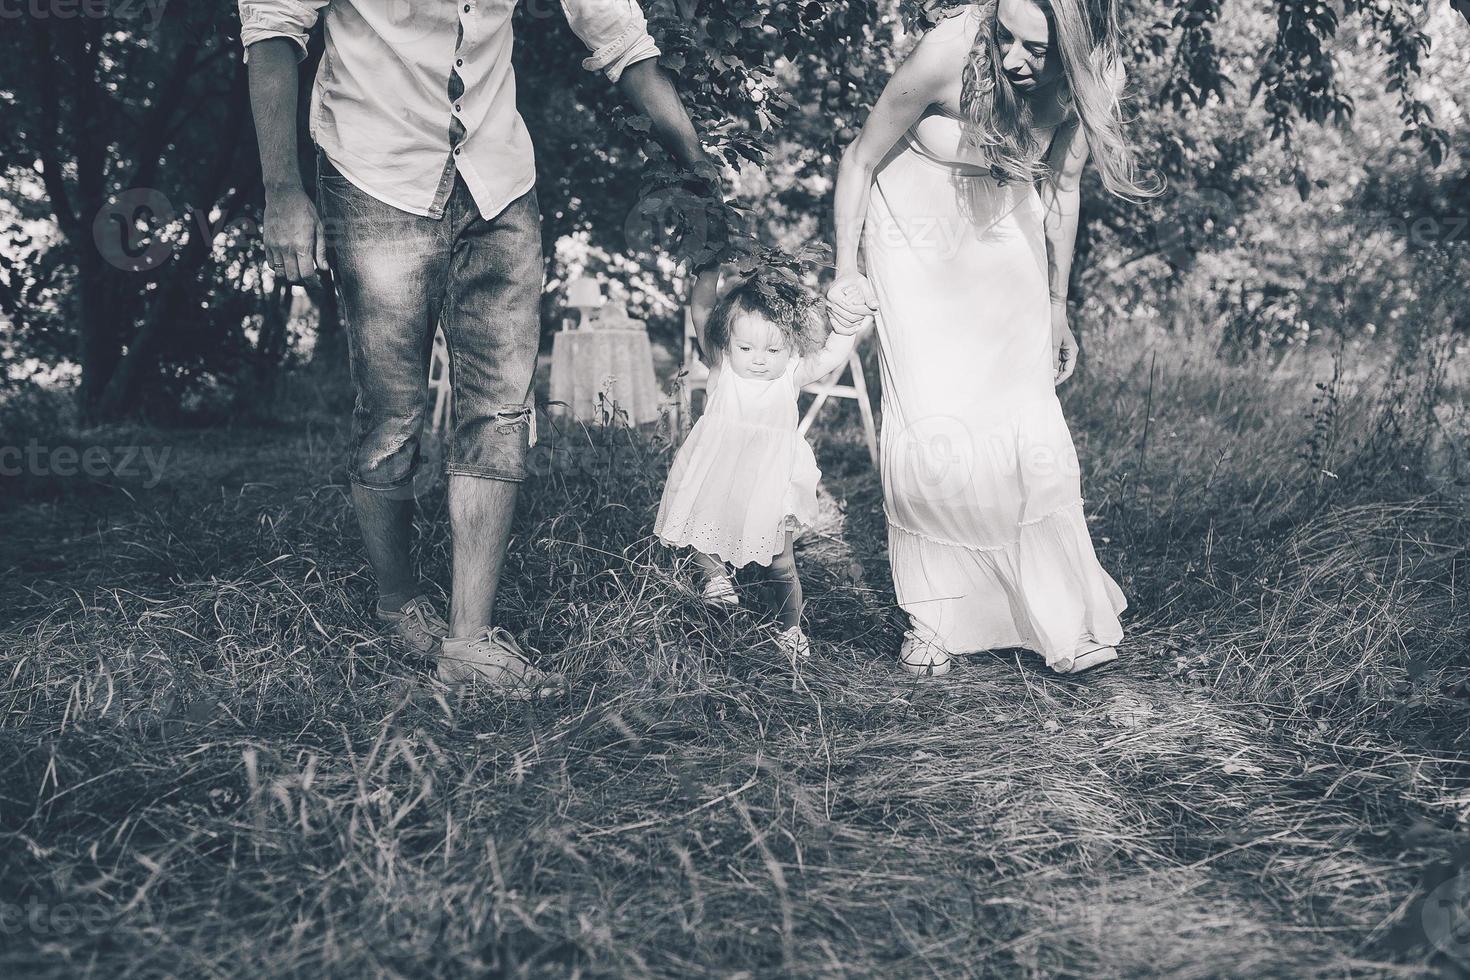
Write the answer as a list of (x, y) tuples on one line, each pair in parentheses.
[(591, 361)]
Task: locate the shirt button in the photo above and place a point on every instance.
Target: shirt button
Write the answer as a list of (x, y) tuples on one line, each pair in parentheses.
[(466, 8), (457, 108), (459, 63), (456, 151)]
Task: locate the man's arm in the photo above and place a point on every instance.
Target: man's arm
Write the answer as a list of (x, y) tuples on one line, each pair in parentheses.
[(652, 93), (273, 33), (294, 240), (617, 34)]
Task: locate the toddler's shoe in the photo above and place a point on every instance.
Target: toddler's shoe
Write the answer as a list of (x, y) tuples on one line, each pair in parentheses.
[(794, 643), (719, 593)]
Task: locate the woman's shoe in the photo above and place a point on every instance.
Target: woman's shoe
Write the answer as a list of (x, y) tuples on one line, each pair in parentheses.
[(1089, 657), (719, 593), (923, 657)]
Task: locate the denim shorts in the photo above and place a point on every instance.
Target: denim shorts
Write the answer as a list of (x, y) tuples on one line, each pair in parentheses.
[(399, 275)]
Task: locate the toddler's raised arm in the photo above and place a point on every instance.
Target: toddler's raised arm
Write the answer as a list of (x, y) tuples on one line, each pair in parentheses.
[(834, 352), (701, 302)]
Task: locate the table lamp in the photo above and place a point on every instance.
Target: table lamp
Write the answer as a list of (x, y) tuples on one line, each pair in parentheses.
[(585, 296)]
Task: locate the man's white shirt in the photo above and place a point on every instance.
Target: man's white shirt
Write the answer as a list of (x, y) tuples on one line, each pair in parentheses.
[(380, 106)]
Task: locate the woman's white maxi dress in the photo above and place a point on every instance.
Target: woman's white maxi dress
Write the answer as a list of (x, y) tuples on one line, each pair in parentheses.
[(982, 488)]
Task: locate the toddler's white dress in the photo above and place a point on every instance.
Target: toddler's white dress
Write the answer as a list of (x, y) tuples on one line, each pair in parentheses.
[(744, 476)]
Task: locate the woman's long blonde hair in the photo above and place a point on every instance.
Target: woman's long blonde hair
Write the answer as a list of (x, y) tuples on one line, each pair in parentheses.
[(999, 120)]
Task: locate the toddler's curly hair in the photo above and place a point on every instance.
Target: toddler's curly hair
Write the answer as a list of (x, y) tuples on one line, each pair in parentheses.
[(794, 314)]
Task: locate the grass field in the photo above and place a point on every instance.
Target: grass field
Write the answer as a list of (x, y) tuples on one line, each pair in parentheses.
[(212, 765)]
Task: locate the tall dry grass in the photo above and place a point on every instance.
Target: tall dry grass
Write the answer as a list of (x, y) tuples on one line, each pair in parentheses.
[(213, 765)]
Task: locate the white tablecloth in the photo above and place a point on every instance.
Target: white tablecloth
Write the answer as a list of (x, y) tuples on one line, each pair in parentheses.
[(620, 362)]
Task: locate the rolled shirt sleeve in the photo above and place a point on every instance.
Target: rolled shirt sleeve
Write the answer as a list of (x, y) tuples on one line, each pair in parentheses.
[(292, 19), (615, 31)]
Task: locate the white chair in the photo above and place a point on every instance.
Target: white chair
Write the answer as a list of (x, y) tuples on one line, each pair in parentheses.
[(439, 383), (857, 390), (693, 376)]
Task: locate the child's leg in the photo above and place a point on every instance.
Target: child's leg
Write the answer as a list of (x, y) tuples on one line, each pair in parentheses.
[(785, 586), (709, 565)]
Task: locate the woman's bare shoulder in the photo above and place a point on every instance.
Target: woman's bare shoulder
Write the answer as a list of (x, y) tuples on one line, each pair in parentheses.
[(958, 25), (944, 48)]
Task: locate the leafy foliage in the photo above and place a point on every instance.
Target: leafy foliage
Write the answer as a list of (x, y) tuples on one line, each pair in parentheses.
[(106, 109)]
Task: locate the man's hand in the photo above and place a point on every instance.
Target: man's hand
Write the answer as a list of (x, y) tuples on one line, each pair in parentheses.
[(295, 242), (1063, 345), (851, 303)]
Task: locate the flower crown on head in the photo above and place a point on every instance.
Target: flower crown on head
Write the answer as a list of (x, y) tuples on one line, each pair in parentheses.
[(777, 277)]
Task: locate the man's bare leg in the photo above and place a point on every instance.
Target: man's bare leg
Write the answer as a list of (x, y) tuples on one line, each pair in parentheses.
[(386, 519), (480, 514)]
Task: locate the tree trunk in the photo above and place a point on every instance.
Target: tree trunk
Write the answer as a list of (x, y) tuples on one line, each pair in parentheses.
[(99, 339), (122, 390)]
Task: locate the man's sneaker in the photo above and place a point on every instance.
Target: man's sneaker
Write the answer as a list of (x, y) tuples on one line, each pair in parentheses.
[(495, 660), (719, 593), (417, 625), (794, 644)]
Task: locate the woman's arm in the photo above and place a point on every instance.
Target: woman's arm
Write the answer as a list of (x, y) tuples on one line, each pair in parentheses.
[(923, 78), (1061, 193)]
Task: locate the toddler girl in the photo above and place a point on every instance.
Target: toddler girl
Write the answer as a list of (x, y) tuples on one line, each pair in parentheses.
[(745, 481)]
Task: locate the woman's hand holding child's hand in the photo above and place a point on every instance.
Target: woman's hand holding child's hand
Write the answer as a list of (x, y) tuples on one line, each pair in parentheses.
[(851, 304)]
